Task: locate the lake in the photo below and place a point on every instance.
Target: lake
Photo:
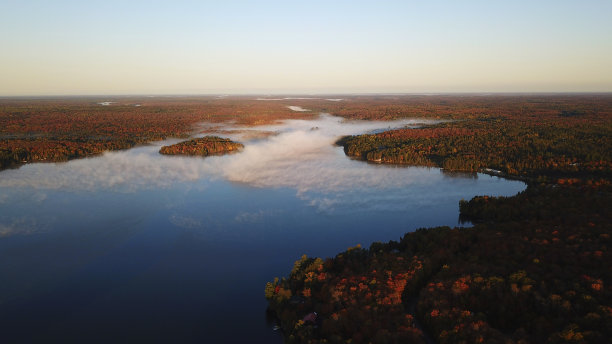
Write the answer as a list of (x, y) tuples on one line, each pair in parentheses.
[(135, 246)]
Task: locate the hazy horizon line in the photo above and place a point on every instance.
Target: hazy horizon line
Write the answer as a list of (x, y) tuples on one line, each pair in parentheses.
[(324, 94)]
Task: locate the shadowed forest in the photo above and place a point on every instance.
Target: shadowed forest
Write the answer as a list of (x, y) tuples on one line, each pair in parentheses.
[(534, 269)]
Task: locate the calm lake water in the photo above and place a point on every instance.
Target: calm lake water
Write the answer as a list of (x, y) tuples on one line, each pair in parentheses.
[(133, 246)]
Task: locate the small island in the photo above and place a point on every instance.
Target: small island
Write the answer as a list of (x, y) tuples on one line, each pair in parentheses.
[(203, 146)]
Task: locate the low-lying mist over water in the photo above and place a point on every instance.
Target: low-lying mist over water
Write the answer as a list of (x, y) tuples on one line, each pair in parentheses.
[(136, 236), (300, 155)]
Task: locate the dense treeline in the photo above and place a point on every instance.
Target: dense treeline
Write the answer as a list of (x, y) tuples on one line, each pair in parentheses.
[(540, 137), (204, 146), (14, 152), (537, 274), (547, 152), (525, 108)]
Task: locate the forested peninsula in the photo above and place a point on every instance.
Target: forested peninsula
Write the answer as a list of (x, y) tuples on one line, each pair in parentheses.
[(543, 151)]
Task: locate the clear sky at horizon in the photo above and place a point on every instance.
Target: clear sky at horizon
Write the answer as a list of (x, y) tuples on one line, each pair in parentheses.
[(188, 47)]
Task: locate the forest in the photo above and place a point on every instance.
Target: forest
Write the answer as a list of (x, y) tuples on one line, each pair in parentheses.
[(534, 269), (204, 146), (546, 147)]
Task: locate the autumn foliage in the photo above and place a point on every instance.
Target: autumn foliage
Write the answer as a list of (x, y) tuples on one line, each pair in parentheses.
[(544, 153), (50, 130), (525, 276), (204, 146), (534, 268), (518, 135)]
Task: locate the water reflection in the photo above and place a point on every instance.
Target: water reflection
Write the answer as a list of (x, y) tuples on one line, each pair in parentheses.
[(459, 174)]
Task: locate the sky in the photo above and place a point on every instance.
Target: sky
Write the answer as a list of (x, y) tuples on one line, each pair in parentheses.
[(303, 47)]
